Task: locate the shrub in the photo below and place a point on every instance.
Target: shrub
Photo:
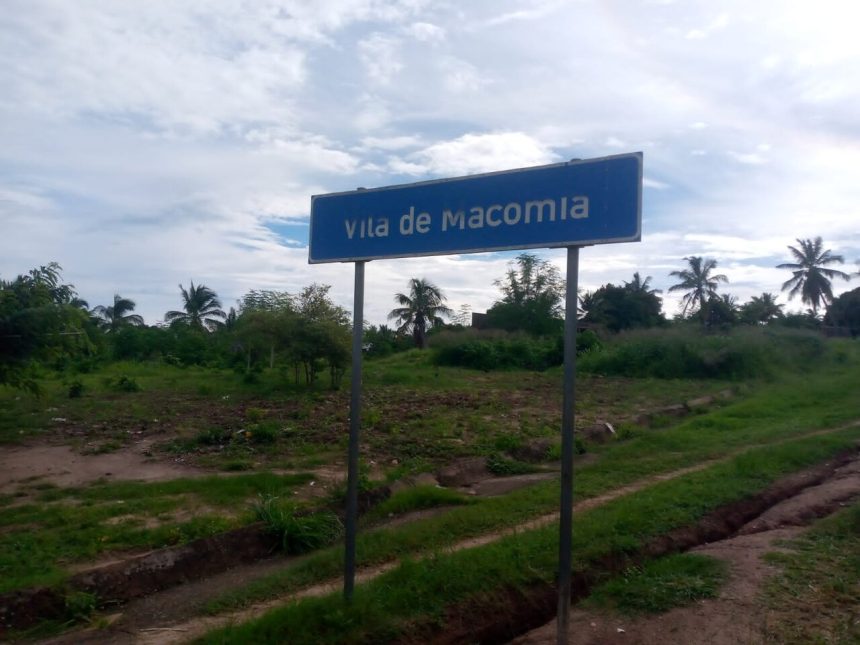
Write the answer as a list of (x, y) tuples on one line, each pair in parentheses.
[(124, 383), (693, 353), (495, 351), (80, 605), (502, 466), (498, 350), (212, 437), (76, 390), (263, 433)]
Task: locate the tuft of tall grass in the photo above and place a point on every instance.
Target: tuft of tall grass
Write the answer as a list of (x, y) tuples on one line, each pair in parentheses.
[(298, 533)]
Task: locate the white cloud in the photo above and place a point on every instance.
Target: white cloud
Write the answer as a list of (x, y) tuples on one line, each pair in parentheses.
[(426, 32), (380, 55), (475, 153), (148, 143), (391, 143), (748, 158)]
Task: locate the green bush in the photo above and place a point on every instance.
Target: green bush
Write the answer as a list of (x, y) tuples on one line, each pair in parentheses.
[(495, 352), (493, 349), (265, 432), (503, 466), (124, 383), (76, 390), (80, 605), (694, 353), (212, 437)]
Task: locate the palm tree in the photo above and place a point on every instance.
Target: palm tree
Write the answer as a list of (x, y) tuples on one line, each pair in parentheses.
[(698, 282), (419, 310), (811, 279), (761, 309), (113, 317), (202, 308), (637, 285)]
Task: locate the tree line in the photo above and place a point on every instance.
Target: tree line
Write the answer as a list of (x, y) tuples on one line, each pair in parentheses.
[(532, 292), (44, 321)]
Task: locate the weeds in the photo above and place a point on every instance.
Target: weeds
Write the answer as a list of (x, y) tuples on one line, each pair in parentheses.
[(76, 390), (416, 498), (503, 466), (660, 585), (298, 533), (124, 383), (689, 353), (416, 593), (821, 569)]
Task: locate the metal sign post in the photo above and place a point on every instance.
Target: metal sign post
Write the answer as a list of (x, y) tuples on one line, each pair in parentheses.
[(564, 205), (568, 417), (354, 427)]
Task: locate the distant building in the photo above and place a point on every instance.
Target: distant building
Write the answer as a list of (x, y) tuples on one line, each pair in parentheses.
[(479, 321)]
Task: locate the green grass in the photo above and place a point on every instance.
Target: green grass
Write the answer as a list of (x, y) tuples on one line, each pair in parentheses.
[(415, 595), (415, 498), (814, 599), (63, 526), (658, 586), (777, 412), (38, 539)]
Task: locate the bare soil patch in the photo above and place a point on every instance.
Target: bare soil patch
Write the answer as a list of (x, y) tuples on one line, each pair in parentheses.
[(63, 466)]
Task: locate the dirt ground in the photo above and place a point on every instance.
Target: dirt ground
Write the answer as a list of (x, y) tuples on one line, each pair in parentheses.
[(737, 615), (64, 466)]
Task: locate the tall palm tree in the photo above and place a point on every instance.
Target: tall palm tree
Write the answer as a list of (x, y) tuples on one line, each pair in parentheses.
[(637, 285), (420, 309), (698, 282), (810, 278), (113, 317), (202, 308)]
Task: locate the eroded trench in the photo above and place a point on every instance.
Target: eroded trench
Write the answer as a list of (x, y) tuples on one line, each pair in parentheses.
[(747, 528), (793, 501)]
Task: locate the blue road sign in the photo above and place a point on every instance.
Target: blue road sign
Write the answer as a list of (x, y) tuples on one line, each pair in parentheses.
[(594, 201)]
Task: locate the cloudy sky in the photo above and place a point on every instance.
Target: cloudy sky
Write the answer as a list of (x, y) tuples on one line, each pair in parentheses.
[(146, 144)]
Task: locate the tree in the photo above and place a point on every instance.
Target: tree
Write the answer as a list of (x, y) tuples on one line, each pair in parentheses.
[(419, 310), (38, 322), (202, 308), (532, 293), (699, 284), (463, 317), (637, 285), (761, 310), (844, 312), (307, 330), (722, 310), (113, 317), (618, 308), (810, 277), (314, 303)]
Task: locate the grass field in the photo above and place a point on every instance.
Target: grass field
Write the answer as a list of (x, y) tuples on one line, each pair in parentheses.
[(270, 440)]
